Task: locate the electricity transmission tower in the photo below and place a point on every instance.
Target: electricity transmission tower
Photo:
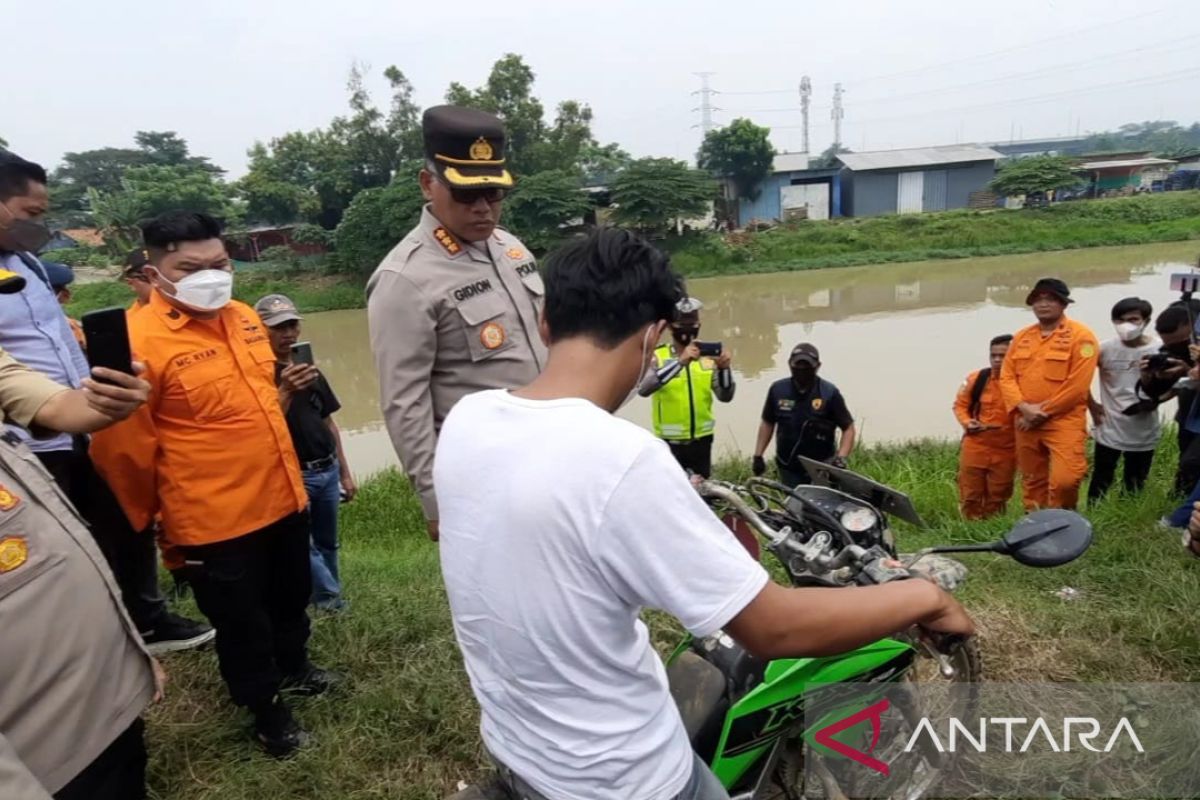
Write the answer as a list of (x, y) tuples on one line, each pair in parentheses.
[(706, 108), (805, 97), (837, 114)]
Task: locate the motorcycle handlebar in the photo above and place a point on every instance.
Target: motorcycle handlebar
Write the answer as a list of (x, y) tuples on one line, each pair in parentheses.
[(722, 492)]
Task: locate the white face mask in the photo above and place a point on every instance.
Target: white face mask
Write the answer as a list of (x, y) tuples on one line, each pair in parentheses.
[(647, 366), (1129, 331), (205, 290)]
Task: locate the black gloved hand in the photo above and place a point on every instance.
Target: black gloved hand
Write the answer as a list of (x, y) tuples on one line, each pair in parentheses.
[(837, 461), (759, 466)]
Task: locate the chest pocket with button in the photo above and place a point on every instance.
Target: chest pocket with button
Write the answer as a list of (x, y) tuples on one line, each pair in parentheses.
[(207, 386), (485, 325), (1057, 364)]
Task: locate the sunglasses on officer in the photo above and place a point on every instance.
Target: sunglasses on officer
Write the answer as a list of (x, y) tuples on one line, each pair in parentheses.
[(468, 197)]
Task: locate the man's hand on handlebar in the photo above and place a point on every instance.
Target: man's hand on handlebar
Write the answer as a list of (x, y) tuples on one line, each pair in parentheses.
[(950, 618)]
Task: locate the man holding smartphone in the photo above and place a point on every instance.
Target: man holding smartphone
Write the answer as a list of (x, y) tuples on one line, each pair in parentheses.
[(987, 460), (35, 331), (309, 405), (682, 387), (211, 454)]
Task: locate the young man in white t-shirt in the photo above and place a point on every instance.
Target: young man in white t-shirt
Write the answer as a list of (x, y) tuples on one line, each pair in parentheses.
[(1126, 424), (561, 521)]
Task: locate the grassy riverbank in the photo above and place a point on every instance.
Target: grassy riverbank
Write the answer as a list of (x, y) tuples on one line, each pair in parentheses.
[(807, 245), (952, 234), (406, 726)]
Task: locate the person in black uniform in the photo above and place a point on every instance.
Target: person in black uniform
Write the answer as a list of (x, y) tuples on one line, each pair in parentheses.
[(808, 412)]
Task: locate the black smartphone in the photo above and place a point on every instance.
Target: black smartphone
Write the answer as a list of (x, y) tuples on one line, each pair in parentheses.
[(1158, 362), (107, 336), (302, 353), (709, 349)]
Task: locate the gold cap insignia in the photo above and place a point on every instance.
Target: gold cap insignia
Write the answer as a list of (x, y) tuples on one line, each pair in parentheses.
[(8, 500), (492, 335), (13, 553), (481, 150)]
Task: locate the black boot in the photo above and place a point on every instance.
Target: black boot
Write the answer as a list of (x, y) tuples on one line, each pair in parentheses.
[(311, 681), (276, 730)]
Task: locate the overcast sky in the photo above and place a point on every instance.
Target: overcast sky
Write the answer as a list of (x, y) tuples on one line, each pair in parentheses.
[(223, 73)]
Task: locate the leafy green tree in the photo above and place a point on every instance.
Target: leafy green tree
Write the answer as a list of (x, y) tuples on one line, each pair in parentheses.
[(651, 193), (1034, 174), (103, 169), (541, 204), (117, 214), (600, 164), (313, 177), (159, 189), (828, 157), (376, 220), (741, 152)]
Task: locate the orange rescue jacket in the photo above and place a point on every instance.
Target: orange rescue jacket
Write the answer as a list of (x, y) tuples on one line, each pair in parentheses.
[(1055, 371)]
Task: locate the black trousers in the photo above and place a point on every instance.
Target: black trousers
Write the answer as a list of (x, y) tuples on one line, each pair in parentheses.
[(1137, 469), (1188, 473), (694, 456), (119, 773), (131, 555), (255, 591)]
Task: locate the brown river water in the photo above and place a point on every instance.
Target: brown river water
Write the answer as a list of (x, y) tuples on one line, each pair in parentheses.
[(897, 339)]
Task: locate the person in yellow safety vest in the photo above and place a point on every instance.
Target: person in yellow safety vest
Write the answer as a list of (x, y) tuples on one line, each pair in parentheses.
[(682, 387)]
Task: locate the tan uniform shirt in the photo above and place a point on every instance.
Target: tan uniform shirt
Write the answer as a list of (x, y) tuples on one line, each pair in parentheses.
[(448, 319), (73, 671)]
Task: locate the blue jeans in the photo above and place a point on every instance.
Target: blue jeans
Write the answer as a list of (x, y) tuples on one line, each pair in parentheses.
[(1181, 515), (324, 495)]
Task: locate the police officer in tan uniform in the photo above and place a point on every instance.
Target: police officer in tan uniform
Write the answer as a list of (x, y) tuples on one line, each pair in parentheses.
[(453, 309), (75, 674)]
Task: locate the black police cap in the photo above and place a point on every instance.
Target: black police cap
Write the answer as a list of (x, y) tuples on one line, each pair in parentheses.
[(466, 146)]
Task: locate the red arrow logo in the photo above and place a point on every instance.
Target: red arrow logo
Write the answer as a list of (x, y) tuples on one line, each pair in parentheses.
[(873, 713)]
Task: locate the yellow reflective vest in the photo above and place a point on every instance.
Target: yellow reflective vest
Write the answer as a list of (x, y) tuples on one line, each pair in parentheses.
[(683, 407)]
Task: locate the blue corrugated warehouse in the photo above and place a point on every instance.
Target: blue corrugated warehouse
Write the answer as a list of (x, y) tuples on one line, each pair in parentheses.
[(920, 179)]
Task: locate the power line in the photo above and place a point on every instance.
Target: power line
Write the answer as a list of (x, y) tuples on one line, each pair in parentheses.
[(1014, 49)]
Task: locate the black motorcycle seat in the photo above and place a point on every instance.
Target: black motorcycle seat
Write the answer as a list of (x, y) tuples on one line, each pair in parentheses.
[(699, 691)]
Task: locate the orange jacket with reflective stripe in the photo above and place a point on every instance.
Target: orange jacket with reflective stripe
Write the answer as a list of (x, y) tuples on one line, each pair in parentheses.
[(211, 451), (1054, 370), (1001, 440)]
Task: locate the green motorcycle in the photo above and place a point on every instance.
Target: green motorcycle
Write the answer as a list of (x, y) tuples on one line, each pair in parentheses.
[(746, 718)]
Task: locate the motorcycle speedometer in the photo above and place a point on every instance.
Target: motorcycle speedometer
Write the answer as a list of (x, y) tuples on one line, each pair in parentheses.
[(858, 519)]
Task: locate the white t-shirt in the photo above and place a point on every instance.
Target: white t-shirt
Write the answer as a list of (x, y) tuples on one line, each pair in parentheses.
[(559, 523), (1118, 381)]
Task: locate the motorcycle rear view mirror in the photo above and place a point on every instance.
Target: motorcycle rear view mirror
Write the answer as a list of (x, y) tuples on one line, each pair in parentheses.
[(1048, 538)]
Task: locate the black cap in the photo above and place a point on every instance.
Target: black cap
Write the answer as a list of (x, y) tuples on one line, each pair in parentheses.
[(804, 352), (1052, 286), (135, 261), (59, 275), (466, 146)]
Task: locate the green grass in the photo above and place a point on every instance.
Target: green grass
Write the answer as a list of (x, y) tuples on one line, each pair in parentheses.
[(407, 725), (1166, 217)]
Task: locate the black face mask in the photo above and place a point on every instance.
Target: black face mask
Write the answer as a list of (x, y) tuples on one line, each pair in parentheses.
[(1178, 350), (685, 335), (24, 235), (804, 378)]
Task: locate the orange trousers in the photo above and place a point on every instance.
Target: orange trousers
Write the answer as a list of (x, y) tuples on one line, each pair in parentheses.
[(984, 489), (1053, 463)]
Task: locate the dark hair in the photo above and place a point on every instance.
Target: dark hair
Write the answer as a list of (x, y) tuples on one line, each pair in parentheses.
[(1004, 338), (608, 285), (1131, 305), (179, 226), (1172, 318), (16, 174)]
